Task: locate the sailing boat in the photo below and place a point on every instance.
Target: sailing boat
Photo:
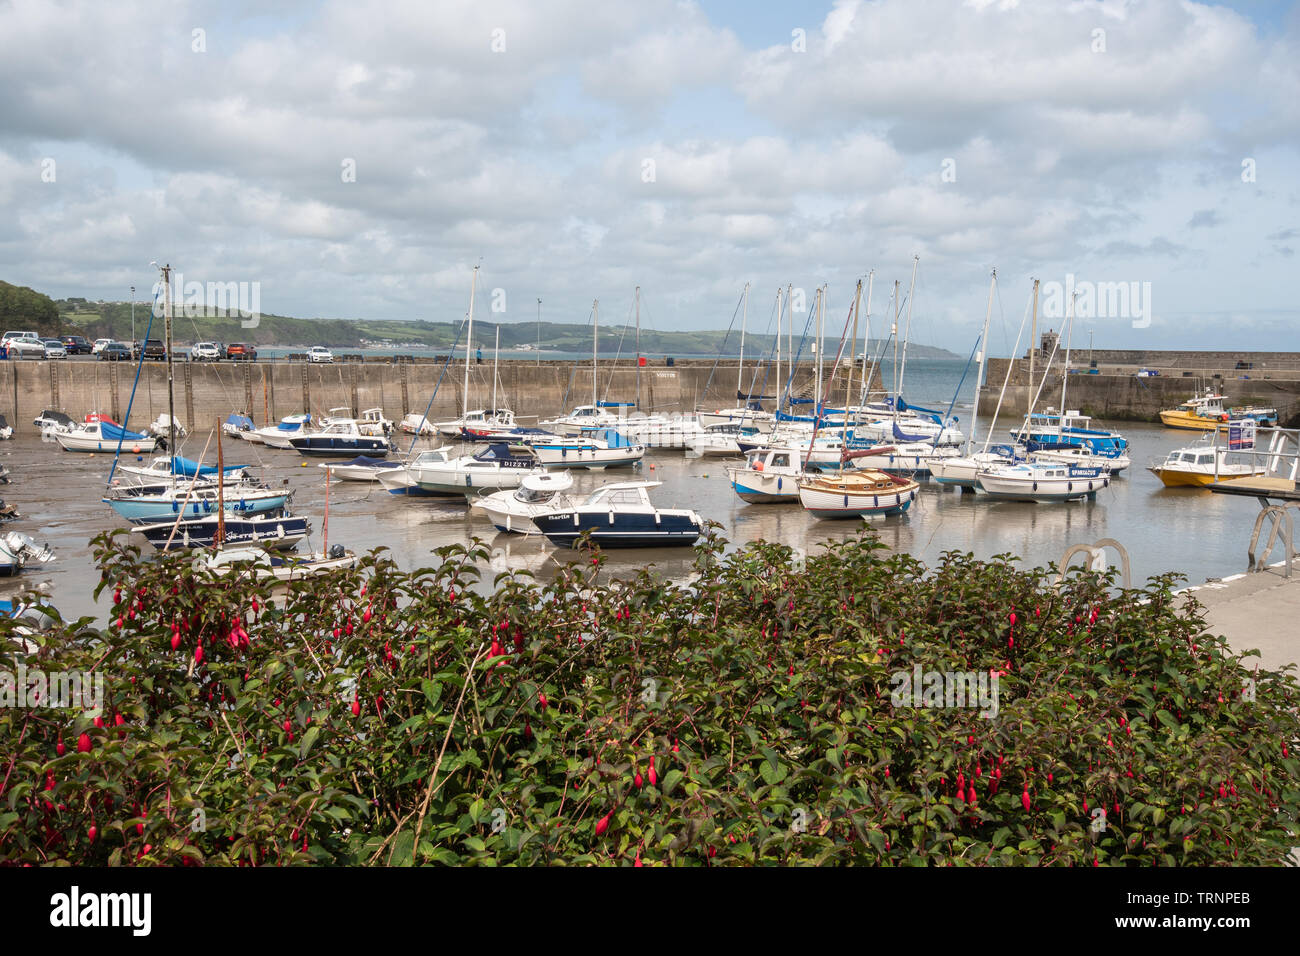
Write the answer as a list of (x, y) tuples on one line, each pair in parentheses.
[(961, 471), (253, 558), (864, 493), (474, 418), (1043, 481)]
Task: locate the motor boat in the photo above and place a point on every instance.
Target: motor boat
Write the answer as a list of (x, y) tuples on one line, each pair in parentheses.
[(770, 476), (621, 515), (1198, 466), (361, 468), (237, 425), (863, 493), (17, 550), (416, 424), (491, 469), (161, 427), (339, 439), (103, 436), (513, 510), (1079, 456), (751, 417), (659, 431), (1207, 413), (1072, 428), (1041, 481), (49, 421), (6, 430), (279, 436)]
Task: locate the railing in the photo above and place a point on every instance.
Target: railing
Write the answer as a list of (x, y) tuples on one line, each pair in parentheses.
[(1272, 482)]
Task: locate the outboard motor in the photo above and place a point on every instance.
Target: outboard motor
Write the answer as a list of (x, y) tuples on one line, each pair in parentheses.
[(337, 551)]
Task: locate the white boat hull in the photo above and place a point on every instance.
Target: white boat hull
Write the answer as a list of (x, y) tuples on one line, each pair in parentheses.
[(1007, 488)]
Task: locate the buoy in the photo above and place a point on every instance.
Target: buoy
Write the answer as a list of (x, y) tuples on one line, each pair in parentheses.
[(303, 465), (135, 450), (652, 466)]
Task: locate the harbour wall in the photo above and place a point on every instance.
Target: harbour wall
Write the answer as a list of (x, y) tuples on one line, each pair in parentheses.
[(1114, 389), (269, 390)]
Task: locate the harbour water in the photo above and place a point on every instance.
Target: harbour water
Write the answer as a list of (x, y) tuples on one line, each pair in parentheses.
[(1195, 532)]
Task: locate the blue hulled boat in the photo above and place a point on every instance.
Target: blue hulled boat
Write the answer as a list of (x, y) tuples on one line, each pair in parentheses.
[(280, 533)]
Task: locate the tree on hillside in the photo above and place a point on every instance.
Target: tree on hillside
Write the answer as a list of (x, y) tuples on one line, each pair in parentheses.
[(24, 308)]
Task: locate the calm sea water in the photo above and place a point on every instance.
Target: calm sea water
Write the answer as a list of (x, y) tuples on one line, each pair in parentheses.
[(1196, 532)]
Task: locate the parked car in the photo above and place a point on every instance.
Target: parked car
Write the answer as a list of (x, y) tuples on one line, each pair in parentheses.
[(54, 349), (204, 352), (240, 350), (115, 352), (153, 349), (75, 345), (99, 346), (22, 345), (319, 353)]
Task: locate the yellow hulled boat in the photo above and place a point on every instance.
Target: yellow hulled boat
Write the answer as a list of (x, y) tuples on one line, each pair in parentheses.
[(1195, 467), (1204, 413)]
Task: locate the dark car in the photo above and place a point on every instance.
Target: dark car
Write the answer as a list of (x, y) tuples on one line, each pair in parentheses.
[(240, 350), (75, 345), (115, 352), (153, 349)]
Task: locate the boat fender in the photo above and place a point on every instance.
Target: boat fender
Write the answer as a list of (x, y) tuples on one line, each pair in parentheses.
[(1035, 486), (657, 517), (1090, 486), (1069, 486), (611, 517), (846, 501), (175, 507), (778, 484)]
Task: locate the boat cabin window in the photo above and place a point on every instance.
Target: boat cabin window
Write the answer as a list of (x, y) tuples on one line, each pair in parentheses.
[(781, 461), (1207, 459)]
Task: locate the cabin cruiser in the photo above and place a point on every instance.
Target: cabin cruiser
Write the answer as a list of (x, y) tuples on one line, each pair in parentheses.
[(1198, 466), (339, 439), (416, 424), (1207, 413), (585, 418), (1072, 428), (17, 549), (103, 436), (491, 469), (237, 425), (361, 468), (770, 476), (621, 515), (279, 436), (512, 510)]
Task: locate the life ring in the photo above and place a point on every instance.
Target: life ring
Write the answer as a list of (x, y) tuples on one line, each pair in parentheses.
[(758, 466)]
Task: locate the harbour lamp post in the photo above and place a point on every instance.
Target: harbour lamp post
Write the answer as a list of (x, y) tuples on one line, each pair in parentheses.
[(1090, 348)]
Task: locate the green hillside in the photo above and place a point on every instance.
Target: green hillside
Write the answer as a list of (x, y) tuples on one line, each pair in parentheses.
[(24, 309), (113, 320)]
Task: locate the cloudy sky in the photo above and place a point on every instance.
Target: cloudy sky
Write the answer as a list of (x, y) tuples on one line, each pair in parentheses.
[(357, 159)]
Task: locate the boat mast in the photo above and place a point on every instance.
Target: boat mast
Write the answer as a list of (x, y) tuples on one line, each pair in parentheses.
[(638, 347), (789, 290), (778, 349), (496, 359), (744, 319), (907, 332), (866, 347), (171, 377), (983, 359), (595, 325), (1065, 376), (893, 333), (1033, 335), (817, 371), (221, 489), (469, 346), (848, 385)]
